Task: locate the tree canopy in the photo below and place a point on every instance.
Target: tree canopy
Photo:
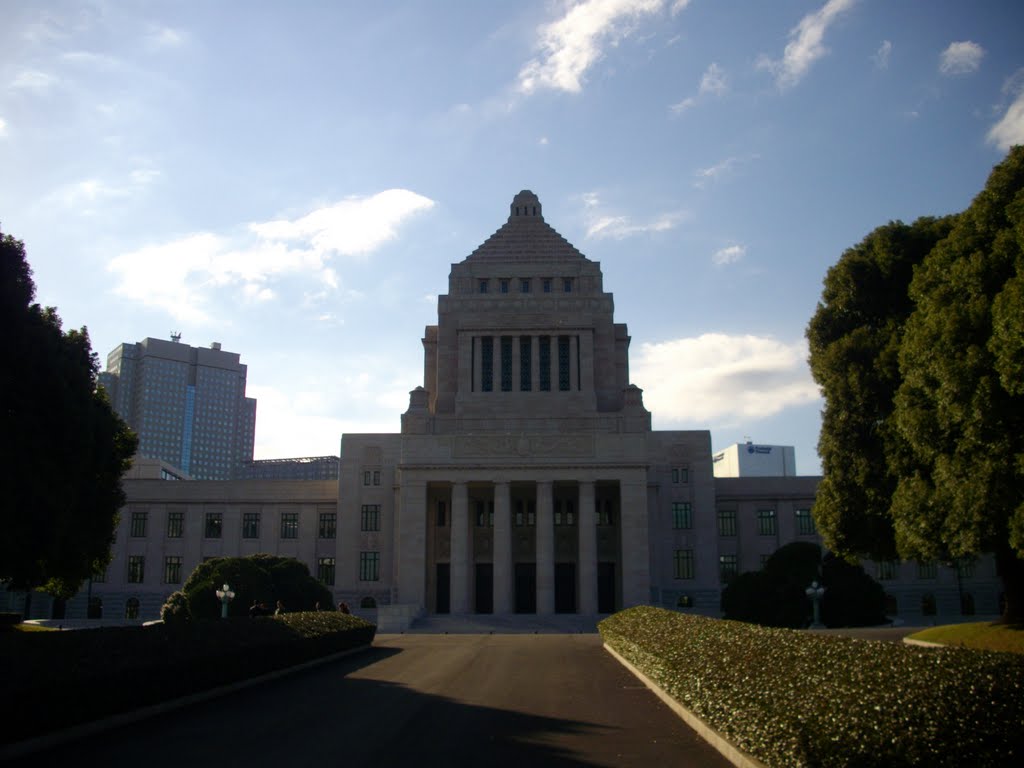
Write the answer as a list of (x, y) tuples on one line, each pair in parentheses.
[(64, 449), (922, 438)]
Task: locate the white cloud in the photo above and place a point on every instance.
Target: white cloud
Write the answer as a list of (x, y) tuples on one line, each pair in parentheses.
[(179, 277), (961, 58), (881, 57), (3, 128), (679, 107), (712, 173), (84, 196), (716, 377), (164, 37), (1010, 128), (729, 255), (714, 80), (601, 225), (679, 6), (575, 42), (33, 80), (805, 44)]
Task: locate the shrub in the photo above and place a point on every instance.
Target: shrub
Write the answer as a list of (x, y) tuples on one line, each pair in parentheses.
[(9, 620), (175, 611), (802, 699)]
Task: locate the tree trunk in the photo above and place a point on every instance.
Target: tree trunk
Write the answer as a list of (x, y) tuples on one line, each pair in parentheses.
[(1010, 570)]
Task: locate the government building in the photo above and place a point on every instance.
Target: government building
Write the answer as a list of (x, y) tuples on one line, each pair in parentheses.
[(526, 479)]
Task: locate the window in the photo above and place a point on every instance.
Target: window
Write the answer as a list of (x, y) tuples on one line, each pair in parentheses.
[(214, 525), (442, 516), (563, 363), (544, 354), (484, 514), (525, 514), (926, 569), (131, 608), (727, 522), (136, 569), (886, 570), (250, 525), (681, 515), (727, 568), (892, 605), (967, 604), (680, 475), (483, 286), (504, 286), (604, 512), (525, 382), (965, 568), (100, 577), (370, 517), (366, 477), (764, 560), (487, 363), (138, 529), (567, 285), (506, 363), (524, 286), (328, 525), (175, 525), (376, 477), (325, 571), (369, 566), (368, 603), (766, 522), (546, 284), (928, 607), (289, 525), (682, 564), (172, 569), (805, 523), (565, 513)]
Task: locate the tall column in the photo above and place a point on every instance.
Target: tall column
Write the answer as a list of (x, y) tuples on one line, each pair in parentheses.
[(587, 361), (545, 548), (477, 351), (636, 570), (460, 549), (588, 550), (502, 548), (411, 553)]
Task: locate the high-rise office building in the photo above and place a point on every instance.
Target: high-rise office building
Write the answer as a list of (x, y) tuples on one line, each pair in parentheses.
[(187, 404)]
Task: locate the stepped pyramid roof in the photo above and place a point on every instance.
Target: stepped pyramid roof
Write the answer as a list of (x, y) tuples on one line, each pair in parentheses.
[(525, 237)]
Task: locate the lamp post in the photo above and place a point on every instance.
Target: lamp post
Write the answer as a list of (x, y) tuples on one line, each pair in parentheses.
[(225, 595), (816, 592)]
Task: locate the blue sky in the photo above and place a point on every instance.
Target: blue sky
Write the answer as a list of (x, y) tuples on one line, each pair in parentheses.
[(295, 180)]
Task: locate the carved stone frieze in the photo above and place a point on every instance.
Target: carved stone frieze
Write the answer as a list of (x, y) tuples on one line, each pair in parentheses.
[(524, 446)]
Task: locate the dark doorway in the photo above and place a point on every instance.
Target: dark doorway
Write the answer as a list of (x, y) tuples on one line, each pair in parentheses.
[(565, 587), (606, 587), (443, 604), (526, 587), (95, 608), (484, 588), (59, 608)]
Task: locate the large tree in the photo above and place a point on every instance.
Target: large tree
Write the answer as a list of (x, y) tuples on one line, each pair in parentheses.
[(854, 340), (63, 451), (960, 405)]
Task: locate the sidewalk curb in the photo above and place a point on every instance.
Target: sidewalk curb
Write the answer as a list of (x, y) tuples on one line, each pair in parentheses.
[(923, 643), (75, 732), (729, 751)]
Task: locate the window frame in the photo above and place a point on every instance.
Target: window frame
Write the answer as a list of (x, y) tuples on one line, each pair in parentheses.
[(289, 525)]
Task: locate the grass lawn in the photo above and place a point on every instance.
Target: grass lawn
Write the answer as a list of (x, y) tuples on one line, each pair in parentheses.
[(982, 635)]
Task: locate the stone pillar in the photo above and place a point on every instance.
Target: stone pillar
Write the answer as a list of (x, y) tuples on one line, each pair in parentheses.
[(588, 550), (460, 549), (545, 549), (636, 569), (587, 362), (411, 552), (502, 548), (475, 356)]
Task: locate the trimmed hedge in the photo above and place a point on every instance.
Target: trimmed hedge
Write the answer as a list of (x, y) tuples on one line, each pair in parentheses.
[(57, 679), (793, 698)]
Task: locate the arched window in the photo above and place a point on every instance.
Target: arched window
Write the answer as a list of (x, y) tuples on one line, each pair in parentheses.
[(131, 608), (368, 602), (928, 604), (684, 601), (892, 606)]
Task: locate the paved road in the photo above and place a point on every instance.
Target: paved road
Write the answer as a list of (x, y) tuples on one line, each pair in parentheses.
[(421, 700)]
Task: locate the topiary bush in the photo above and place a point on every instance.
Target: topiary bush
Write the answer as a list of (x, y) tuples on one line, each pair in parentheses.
[(803, 699), (175, 611), (263, 578)]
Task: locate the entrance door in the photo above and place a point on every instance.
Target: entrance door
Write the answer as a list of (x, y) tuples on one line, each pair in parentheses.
[(565, 587), (484, 588), (606, 587), (526, 587), (443, 601)]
